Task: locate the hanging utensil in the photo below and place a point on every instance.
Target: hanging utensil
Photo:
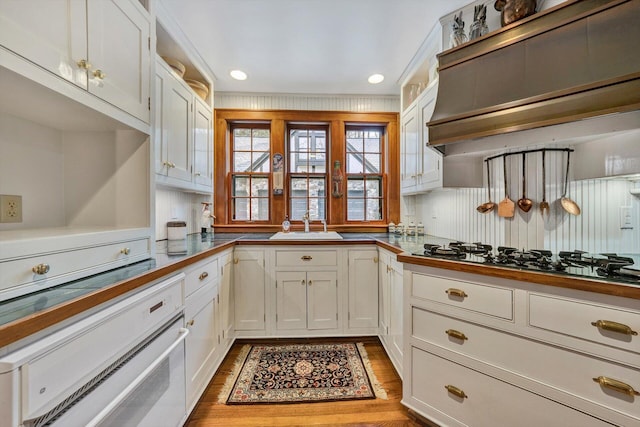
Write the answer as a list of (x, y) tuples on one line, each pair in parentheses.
[(506, 208), (524, 203), (488, 206), (569, 205), (544, 205)]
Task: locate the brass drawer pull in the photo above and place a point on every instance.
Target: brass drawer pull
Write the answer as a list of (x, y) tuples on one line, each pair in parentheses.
[(41, 269), (125, 251), (456, 292), (306, 258), (616, 385), (455, 391), (609, 325), (456, 334), (203, 276)]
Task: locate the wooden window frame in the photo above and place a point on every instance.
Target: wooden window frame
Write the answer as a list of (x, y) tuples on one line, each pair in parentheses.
[(277, 121)]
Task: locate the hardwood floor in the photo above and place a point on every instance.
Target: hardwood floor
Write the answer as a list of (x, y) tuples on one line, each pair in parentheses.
[(376, 412)]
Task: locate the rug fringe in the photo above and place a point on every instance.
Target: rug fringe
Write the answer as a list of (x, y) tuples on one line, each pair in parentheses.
[(377, 387), (235, 371)]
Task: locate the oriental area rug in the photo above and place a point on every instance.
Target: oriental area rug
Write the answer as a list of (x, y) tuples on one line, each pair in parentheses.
[(301, 373)]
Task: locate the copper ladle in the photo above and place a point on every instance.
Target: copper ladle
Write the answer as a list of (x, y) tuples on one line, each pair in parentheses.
[(489, 206), (544, 205), (524, 203), (568, 204)]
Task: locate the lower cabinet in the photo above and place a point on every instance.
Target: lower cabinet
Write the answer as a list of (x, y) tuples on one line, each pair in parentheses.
[(227, 297), (390, 307), (306, 300), (201, 318), (363, 288), (487, 351), (249, 289)]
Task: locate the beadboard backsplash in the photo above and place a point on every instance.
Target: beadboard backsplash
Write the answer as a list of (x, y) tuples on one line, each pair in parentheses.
[(279, 101), (175, 205), (451, 213)]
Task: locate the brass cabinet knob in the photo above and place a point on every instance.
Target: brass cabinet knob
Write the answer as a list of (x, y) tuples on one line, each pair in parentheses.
[(310, 282), (303, 282), (609, 325), (235, 260), (41, 269), (375, 260), (616, 385), (455, 391), (99, 74), (83, 64), (191, 322), (204, 275), (456, 293), (125, 251)]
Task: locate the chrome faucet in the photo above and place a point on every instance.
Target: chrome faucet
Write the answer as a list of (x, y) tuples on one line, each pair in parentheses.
[(305, 218)]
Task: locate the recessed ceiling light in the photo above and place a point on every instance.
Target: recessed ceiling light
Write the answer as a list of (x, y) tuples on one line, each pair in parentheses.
[(238, 74), (374, 79)]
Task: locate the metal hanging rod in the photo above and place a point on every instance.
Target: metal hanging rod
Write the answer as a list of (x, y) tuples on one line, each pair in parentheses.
[(568, 150)]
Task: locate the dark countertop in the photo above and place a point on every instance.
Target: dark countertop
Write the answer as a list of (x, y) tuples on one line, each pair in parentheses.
[(23, 316)]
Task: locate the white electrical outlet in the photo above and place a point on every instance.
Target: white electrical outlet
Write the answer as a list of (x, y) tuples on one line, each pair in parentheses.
[(10, 208), (626, 221)]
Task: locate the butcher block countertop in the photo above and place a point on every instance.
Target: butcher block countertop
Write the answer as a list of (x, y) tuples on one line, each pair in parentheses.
[(32, 314)]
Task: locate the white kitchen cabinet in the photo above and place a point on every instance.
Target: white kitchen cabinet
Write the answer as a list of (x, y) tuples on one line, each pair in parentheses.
[(430, 168), (100, 46), (201, 318), (457, 326), (391, 307), (363, 288), (306, 300), (227, 298), (409, 150), (249, 289), (184, 134)]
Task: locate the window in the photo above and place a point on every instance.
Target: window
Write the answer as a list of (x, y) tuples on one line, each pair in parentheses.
[(364, 173), (307, 171), (251, 154)]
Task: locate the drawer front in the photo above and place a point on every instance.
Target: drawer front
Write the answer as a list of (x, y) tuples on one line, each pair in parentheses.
[(562, 369), (605, 325), (490, 300), (201, 274), (489, 402), (306, 258), (55, 374), (23, 271)]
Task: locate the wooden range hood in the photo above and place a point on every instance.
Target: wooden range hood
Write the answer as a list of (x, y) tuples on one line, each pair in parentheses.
[(578, 60)]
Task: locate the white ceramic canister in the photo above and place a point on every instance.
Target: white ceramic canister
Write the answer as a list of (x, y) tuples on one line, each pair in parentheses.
[(176, 230)]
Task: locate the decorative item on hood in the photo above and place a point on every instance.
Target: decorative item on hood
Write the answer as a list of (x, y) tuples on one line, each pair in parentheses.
[(479, 27), (514, 10), (458, 36)]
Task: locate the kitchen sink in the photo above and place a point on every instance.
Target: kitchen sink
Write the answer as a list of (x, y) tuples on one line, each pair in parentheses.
[(312, 235)]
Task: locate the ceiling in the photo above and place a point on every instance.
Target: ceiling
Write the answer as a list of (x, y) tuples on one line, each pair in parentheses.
[(308, 46)]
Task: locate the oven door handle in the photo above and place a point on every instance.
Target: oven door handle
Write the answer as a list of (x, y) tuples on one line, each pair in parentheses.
[(139, 379)]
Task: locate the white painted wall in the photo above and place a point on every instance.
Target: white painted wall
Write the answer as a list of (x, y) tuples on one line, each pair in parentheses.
[(271, 101)]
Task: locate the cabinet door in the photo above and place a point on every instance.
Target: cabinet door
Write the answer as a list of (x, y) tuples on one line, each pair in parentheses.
[(409, 149), (383, 295), (160, 136), (226, 296), (202, 145), (249, 289), (50, 33), (363, 289), (395, 305), (177, 126), (119, 52), (202, 341), (430, 176), (291, 300), (322, 300)]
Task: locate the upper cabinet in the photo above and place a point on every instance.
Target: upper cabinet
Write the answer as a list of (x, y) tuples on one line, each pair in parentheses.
[(82, 41), (183, 134)]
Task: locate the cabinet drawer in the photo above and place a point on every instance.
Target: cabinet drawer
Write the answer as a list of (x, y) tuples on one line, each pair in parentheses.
[(199, 275), (488, 402), (60, 266), (576, 318), (490, 300), (51, 377), (562, 369), (306, 258)]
